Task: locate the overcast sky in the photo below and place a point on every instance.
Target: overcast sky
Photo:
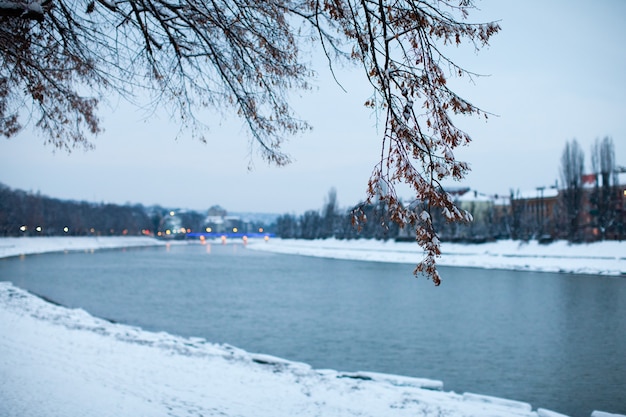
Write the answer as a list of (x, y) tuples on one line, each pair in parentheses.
[(557, 72)]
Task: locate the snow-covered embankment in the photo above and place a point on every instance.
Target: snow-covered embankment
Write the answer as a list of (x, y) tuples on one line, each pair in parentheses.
[(603, 258)]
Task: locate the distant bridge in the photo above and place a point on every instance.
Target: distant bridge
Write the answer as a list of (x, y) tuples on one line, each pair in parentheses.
[(214, 235)]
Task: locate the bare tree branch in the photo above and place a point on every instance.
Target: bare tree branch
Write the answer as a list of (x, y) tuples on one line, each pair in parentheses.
[(62, 57)]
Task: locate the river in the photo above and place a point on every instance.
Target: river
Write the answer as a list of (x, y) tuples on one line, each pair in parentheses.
[(557, 341)]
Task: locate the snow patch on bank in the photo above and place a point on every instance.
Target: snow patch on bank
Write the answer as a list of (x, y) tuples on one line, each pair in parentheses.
[(18, 246)]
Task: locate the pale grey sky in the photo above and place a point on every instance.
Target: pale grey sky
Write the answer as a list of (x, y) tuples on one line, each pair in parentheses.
[(557, 72)]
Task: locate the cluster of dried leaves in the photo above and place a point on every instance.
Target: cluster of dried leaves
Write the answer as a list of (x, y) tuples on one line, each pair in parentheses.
[(400, 46), (60, 58)]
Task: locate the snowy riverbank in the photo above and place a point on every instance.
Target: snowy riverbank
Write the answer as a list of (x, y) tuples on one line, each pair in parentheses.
[(604, 258), (56, 361), (16, 246)]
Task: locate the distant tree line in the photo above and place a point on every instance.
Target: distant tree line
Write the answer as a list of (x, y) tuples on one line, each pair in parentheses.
[(32, 214), (593, 204), (374, 221), (586, 206), (330, 221)]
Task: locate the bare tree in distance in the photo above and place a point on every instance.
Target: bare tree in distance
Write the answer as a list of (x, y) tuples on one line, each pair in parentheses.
[(61, 58), (603, 161), (572, 170), (603, 166), (330, 213)]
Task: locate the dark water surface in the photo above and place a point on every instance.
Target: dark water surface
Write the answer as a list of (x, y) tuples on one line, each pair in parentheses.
[(557, 341)]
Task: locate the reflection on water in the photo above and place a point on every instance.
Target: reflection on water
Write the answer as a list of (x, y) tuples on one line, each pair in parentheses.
[(556, 341)]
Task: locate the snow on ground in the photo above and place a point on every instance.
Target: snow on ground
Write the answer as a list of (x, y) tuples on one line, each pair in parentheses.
[(606, 258), (56, 361), (16, 246)]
